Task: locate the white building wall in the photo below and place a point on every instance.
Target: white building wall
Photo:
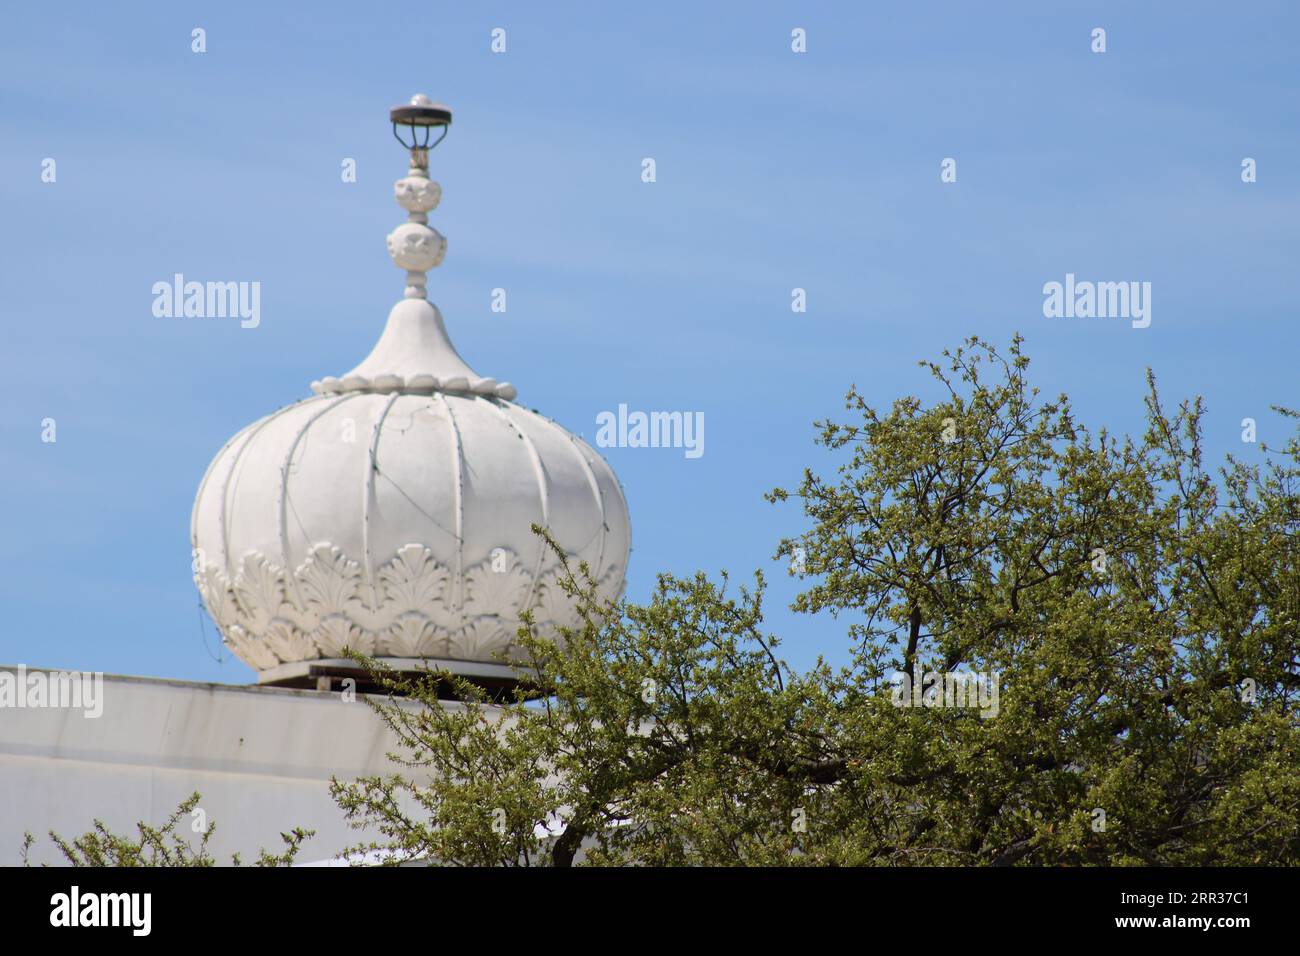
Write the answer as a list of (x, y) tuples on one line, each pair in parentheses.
[(261, 757)]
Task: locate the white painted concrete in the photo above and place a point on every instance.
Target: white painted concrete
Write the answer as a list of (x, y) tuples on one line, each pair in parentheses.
[(261, 757), (391, 513)]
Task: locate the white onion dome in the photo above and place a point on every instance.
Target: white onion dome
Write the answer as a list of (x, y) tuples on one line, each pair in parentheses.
[(391, 513)]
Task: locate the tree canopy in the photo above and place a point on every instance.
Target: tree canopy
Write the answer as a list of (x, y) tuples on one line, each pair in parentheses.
[(1133, 612), (168, 845)]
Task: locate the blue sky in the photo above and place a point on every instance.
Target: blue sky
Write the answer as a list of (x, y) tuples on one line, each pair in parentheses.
[(775, 170)]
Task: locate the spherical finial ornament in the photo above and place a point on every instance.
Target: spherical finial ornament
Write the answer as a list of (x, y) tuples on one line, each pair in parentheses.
[(415, 247), (417, 194)]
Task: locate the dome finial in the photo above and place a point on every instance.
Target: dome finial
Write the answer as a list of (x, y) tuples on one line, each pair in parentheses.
[(414, 353), (413, 245)]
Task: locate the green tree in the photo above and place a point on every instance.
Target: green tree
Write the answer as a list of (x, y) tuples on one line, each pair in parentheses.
[(163, 846), (1137, 614)]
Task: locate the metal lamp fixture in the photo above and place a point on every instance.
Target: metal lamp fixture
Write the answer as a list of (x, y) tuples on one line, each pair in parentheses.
[(421, 117)]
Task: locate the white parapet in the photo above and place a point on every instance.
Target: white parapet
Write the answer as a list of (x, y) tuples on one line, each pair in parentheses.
[(261, 757)]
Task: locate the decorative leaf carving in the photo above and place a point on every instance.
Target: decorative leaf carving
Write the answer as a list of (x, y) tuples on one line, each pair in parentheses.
[(481, 639), (267, 616), (337, 632), (251, 650), (496, 586), (330, 581), (259, 588), (554, 605), (287, 642), (413, 580), (414, 635), (215, 591)]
